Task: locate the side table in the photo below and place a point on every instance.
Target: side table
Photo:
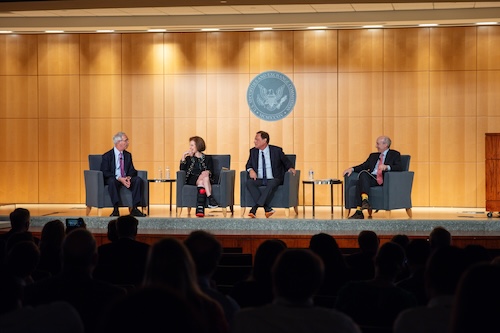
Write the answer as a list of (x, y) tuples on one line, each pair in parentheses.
[(170, 181), (330, 182)]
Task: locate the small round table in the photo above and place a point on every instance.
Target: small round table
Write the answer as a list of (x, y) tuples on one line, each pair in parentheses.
[(330, 182), (162, 180)]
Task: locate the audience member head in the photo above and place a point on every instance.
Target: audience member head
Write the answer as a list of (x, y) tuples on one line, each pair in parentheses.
[(417, 252), (170, 265), (297, 275), (20, 219), (476, 253), (477, 300), (79, 251), (389, 260), (265, 257), (326, 247), (52, 235), (439, 237), (112, 232), (152, 309), (443, 271), (22, 260), (18, 237), (402, 240), (205, 250), (126, 226), (368, 242)]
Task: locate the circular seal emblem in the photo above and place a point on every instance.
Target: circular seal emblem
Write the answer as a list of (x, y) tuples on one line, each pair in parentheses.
[(271, 96)]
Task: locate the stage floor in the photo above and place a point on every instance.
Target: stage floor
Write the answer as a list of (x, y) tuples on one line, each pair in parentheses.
[(460, 221)]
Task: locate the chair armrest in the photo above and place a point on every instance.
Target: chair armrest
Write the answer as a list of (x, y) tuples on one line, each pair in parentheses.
[(94, 188), (291, 187), (243, 186), (227, 187), (399, 182), (180, 181), (143, 174), (349, 181)]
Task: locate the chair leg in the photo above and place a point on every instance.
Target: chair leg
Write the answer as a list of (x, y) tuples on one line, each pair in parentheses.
[(87, 211), (99, 212), (388, 214), (348, 212), (178, 211), (189, 210), (287, 212), (409, 212), (243, 211), (224, 211), (296, 209), (370, 213), (232, 209)]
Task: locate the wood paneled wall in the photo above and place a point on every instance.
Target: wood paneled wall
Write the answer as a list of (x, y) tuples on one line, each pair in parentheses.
[(434, 91)]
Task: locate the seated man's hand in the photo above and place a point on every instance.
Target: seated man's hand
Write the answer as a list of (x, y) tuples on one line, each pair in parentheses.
[(347, 172), (292, 170), (252, 174)]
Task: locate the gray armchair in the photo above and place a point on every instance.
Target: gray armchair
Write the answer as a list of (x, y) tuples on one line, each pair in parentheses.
[(286, 195), (222, 189), (395, 193), (96, 192)]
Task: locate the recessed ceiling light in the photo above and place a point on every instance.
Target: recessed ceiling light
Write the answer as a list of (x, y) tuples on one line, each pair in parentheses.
[(313, 28), (486, 23), (210, 29), (54, 31), (157, 30), (372, 26), (106, 30), (428, 25), (263, 28), (5, 32)]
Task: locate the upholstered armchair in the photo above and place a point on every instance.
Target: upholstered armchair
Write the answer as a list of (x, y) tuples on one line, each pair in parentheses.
[(395, 192), (96, 192), (286, 195), (222, 189)]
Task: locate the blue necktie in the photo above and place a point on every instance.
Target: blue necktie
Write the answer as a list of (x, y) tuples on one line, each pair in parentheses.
[(264, 171)]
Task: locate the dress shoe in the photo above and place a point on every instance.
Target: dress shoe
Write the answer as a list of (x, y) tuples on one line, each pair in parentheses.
[(212, 203), (116, 212), (269, 212), (252, 215), (357, 215), (365, 204), (137, 213)]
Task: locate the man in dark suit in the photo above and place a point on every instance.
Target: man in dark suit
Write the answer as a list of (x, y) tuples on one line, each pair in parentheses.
[(123, 262), (372, 171), (118, 170), (266, 165)]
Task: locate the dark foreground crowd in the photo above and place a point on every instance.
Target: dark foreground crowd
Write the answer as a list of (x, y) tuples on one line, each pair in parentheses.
[(64, 282)]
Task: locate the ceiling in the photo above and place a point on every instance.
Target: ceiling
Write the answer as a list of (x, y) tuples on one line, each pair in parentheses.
[(237, 15)]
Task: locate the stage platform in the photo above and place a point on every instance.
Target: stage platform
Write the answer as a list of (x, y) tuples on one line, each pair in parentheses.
[(467, 225)]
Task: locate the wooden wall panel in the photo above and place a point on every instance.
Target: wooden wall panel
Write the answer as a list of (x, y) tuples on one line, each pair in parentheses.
[(410, 136), (100, 54), (186, 53), (226, 96), (406, 49), (453, 48), (453, 184), (315, 51), (146, 138), (59, 96), (421, 183), (316, 95), (316, 141), (55, 144), (63, 176), (142, 53), (452, 94), (186, 96), (101, 96), (361, 50), (488, 47), (228, 52), (406, 94), (96, 135), (142, 96), (360, 95), (18, 55), (271, 50), (18, 97), (58, 54), (19, 181), (357, 139), (453, 141), (488, 98), (21, 140)]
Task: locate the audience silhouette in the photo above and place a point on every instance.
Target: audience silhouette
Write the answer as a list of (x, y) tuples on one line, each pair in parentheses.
[(361, 264), (439, 237), (297, 276), (51, 240)]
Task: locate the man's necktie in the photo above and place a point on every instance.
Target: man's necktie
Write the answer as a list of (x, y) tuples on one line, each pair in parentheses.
[(380, 178), (264, 171), (122, 166)]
